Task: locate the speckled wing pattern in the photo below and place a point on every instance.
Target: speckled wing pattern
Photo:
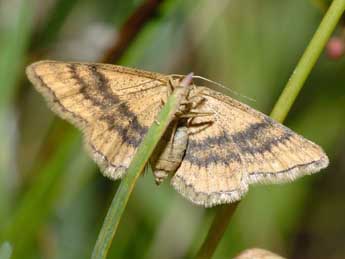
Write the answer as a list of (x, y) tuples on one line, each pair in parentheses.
[(238, 146), (114, 106)]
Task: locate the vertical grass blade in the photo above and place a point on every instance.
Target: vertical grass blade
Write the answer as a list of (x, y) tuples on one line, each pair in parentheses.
[(140, 159), (308, 60), (217, 229)]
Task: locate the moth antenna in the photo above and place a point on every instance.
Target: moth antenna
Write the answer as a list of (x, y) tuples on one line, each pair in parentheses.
[(147, 82), (217, 84), (177, 75), (225, 88)]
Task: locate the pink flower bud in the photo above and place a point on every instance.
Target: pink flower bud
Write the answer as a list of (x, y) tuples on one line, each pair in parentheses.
[(335, 48)]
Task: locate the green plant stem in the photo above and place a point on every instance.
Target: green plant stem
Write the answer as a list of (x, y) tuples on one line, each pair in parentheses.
[(308, 60), (137, 165), (217, 229), (279, 113)]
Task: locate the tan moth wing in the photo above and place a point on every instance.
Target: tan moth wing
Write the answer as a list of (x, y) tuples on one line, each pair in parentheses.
[(237, 146), (114, 106)]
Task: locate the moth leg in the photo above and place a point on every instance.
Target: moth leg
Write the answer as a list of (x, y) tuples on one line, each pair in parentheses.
[(160, 107), (171, 141), (171, 85), (194, 101), (192, 114), (173, 132)]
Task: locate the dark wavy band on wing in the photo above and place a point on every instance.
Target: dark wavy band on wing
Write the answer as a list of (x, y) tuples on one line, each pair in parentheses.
[(99, 94)]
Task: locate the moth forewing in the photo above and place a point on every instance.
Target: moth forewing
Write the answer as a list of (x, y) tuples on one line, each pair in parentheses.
[(113, 105)]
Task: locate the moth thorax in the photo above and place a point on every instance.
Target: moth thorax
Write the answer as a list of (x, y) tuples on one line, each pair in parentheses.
[(168, 156)]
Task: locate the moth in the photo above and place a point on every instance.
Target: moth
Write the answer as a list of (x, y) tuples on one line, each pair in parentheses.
[(216, 146)]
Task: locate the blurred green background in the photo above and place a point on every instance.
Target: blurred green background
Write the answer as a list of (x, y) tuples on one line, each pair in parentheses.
[(53, 198)]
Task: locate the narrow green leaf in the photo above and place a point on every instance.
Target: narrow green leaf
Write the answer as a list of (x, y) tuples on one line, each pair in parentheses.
[(140, 159), (308, 60)]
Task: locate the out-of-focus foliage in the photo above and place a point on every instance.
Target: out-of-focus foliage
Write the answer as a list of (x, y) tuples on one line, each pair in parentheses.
[(251, 46), (5, 250)]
